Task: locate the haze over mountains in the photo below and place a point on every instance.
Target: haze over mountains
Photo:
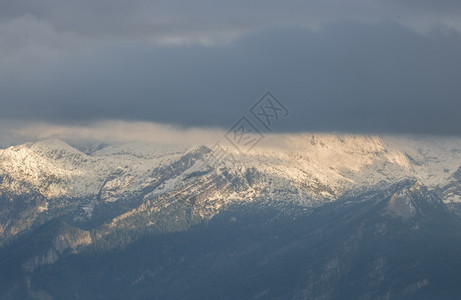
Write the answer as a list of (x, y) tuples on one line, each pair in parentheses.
[(307, 206)]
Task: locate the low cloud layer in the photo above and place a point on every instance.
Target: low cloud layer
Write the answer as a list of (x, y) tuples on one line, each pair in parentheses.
[(110, 131)]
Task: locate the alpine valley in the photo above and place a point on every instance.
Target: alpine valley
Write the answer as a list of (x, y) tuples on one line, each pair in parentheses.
[(307, 216)]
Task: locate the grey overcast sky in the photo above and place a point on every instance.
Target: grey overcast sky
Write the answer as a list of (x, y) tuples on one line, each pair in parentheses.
[(360, 66)]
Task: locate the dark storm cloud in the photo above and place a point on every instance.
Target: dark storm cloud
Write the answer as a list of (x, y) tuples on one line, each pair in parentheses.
[(362, 75)]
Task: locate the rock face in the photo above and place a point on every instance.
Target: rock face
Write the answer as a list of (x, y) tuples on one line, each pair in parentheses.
[(415, 199), (59, 239), (452, 190)]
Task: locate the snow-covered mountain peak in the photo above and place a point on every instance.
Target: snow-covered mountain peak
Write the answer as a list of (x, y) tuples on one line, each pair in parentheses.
[(43, 165), (56, 169), (341, 151), (50, 144), (306, 166), (338, 162)]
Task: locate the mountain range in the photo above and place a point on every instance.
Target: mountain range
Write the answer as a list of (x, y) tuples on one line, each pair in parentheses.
[(307, 216)]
